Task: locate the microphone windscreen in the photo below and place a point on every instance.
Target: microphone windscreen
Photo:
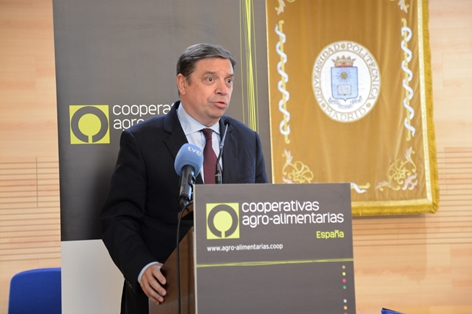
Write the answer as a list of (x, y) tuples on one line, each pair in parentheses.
[(189, 155)]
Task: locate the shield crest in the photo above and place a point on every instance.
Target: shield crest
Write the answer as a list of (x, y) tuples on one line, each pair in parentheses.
[(344, 82)]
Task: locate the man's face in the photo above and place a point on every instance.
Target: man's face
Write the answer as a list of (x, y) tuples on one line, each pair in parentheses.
[(207, 92)]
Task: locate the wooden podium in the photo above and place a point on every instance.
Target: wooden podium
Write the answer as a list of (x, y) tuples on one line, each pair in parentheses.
[(265, 248), (187, 280)]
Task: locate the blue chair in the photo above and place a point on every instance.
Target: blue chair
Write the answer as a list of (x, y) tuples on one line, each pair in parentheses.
[(36, 291)]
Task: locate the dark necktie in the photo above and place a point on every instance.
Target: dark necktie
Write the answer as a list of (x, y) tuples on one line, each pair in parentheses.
[(209, 158)]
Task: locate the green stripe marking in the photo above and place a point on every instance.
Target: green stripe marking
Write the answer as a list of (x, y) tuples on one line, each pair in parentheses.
[(266, 263)]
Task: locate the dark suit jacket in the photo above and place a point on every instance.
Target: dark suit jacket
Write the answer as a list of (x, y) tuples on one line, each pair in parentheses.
[(139, 217)]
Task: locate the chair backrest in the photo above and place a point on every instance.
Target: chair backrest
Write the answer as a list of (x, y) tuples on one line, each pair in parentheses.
[(36, 291)]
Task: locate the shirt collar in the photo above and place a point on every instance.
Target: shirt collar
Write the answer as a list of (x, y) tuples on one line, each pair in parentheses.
[(190, 125)]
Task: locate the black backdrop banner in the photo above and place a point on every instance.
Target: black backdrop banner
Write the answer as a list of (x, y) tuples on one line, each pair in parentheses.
[(115, 66)]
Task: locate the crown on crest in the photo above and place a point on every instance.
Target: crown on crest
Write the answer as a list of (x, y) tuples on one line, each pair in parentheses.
[(343, 62)]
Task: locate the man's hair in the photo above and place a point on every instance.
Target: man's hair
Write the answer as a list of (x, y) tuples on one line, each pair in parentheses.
[(186, 62)]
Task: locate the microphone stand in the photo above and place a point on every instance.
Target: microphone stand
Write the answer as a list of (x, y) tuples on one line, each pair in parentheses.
[(218, 171), (184, 204)]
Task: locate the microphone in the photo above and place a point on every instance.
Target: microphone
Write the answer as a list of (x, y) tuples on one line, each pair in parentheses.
[(218, 171), (188, 163)]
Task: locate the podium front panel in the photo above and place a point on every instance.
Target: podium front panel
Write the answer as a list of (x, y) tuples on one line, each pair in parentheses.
[(273, 248)]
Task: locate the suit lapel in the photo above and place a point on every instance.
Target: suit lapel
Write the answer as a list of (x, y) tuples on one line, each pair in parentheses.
[(230, 156), (176, 137)]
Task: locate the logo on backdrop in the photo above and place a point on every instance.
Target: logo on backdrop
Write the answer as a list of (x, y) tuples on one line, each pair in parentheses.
[(89, 124), (222, 221), (346, 81)]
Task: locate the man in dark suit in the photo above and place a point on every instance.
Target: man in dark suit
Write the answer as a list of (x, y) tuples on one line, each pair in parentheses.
[(139, 217)]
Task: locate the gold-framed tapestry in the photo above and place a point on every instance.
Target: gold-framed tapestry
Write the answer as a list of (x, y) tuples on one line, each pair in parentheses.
[(350, 97)]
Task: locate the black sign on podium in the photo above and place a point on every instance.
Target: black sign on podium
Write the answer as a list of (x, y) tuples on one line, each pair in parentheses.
[(267, 248)]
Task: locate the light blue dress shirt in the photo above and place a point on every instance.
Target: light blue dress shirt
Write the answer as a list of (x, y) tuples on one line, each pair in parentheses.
[(192, 129)]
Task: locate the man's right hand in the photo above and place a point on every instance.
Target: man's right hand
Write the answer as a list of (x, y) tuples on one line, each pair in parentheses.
[(152, 283)]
